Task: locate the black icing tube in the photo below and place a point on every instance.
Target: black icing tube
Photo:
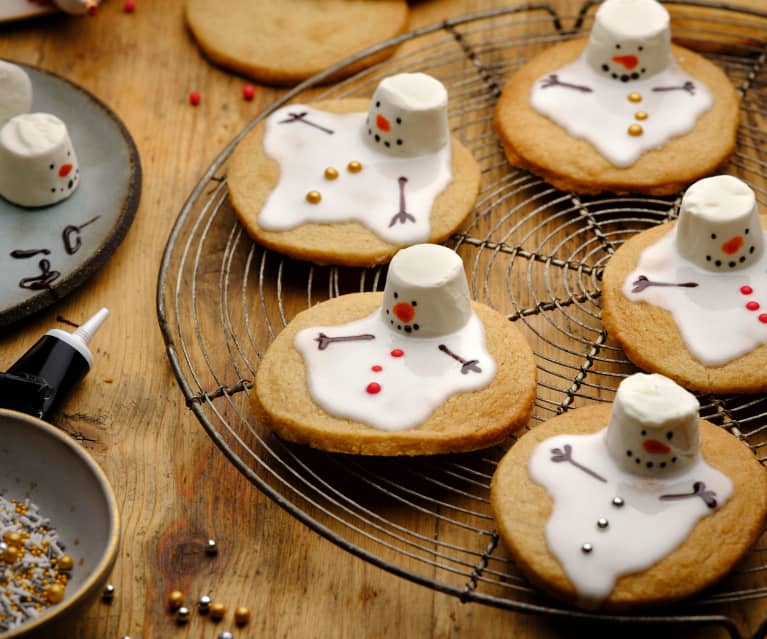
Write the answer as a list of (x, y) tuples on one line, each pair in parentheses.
[(48, 371)]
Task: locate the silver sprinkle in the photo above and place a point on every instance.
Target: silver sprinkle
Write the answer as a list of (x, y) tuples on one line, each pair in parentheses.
[(225, 635), (109, 592), (182, 615), (211, 547), (618, 502), (203, 604), (602, 523), (587, 548)]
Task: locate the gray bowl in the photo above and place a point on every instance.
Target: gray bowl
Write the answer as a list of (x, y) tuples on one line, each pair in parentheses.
[(40, 463)]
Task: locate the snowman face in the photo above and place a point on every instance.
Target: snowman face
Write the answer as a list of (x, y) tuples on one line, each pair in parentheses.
[(656, 450), (408, 115), (401, 314), (63, 170)]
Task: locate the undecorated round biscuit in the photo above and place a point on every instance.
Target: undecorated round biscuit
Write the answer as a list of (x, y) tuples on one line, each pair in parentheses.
[(465, 422), (287, 41), (253, 175), (650, 337), (533, 142), (522, 507)]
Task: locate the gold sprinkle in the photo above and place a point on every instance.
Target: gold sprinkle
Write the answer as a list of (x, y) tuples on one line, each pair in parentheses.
[(354, 166), (331, 173), (217, 610), (54, 593), (635, 130), (635, 97), (65, 562), (175, 600), (313, 197), (641, 115)]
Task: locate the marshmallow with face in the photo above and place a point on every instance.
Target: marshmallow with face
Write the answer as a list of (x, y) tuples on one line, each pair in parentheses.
[(719, 228), (630, 40), (38, 165), (426, 293), (15, 91), (653, 427), (408, 115)]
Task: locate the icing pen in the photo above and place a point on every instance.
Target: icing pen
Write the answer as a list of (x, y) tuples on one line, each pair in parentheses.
[(49, 370)]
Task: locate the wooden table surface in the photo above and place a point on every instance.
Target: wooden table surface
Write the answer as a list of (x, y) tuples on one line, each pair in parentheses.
[(174, 487)]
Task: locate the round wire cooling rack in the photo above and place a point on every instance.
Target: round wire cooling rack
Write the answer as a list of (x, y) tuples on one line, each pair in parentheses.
[(531, 252)]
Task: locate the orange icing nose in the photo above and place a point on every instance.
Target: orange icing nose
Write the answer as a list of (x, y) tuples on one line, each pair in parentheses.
[(382, 123), (64, 170), (654, 446), (404, 312), (628, 61), (732, 245)]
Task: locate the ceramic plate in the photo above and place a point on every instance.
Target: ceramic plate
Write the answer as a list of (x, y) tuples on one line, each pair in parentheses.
[(46, 252)]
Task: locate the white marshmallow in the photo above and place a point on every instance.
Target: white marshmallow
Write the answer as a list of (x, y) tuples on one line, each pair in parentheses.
[(654, 426), (719, 228), (38, 165), (408, 115), (15, 91), (426, 293), (76, 7), (630, 39)]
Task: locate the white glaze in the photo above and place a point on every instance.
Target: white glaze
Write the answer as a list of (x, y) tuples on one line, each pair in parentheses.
[(38, 164), (408, 115), (426, 293), (653, 427), (15, 91), (719, 224), (411, 385), (713, 319), (630, 36), (370, 197), (642, 531)]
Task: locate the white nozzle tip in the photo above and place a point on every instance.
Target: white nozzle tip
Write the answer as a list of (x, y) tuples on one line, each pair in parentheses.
[(87, 330)]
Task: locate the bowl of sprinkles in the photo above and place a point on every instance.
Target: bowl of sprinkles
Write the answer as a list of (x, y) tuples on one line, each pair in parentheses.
[(59, 525)]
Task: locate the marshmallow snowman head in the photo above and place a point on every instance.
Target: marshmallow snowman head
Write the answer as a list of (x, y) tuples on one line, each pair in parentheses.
[(719, 228), (408, 115), (15, 91), (38, 165), (654, 427), (630, 40), (426, 294)]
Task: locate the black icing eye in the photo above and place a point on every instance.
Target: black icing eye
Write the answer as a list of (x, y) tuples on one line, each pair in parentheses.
[(605, 67), (713, 236), (399, 142), (399, 120), (745, 232), (396, 295), (378, 104), (617, 46), (669, 435), (51, 167), (416, 327), (644, 432), (640, 48), (414, 303)]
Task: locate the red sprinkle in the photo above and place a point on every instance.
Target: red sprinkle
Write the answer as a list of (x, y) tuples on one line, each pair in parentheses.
[(129, 6), (376, 368), (746, 290), (248, 91), (373, 388), (752, 306), (194, 98), (763, 318), (397, 353), (92, 10)]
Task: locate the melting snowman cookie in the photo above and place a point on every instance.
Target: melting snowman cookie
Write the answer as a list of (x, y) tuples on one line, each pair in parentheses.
[(417, 370), (626, 92), (350, 181), (706, 276), (624, 507)]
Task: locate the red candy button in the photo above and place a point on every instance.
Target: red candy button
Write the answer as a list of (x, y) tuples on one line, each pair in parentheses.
[(763, 318), (746, 290), (373, 388), (376, 368), (397, 353), (752, 306)]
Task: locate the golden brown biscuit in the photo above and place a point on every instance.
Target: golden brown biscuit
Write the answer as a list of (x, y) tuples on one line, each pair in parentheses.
[(533, 142), (466, 421), (522, 508), (253, 175), (651, 339), (286, 41)]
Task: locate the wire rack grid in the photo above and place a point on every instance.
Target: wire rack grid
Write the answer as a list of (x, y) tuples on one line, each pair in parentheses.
[(531, 252)]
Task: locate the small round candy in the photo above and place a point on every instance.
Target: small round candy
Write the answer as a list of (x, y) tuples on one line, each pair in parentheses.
[(635, 97), (217, 610), (331, 173), (241, 615), (225, 635), (54, 593), (635, 130), (354, 166), (129, 6), (182, 615), (587, 548), (313, 197), (211, 547), (175, 600), (194, 98), (248, 91), (203, 604), (109, 592), (65, 562)]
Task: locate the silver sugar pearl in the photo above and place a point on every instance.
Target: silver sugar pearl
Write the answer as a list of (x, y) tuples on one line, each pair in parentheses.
[(211, 548), (3, 547), (587, 548), (602, 523), (203, 604), (182, 615), (618, 502), (225, 635), (108, 593)]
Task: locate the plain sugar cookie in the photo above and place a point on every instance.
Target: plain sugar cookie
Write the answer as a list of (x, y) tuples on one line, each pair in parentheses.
[(627, 506), (287, 41)]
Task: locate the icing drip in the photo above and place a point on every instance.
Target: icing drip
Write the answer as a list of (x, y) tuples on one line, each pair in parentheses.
[(391, 195), (718, 319), (392, 382), (606, 522), (605, 112)]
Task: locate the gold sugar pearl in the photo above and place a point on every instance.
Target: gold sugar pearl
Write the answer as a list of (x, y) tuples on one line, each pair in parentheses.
[(13, 539), (54, 593), (641, 115), (634, 97), (635, 130), (175, 600), (11, 555), (313, 197), (217, 610), (241, 615), (65, 562), (331, 173), (354, 166)]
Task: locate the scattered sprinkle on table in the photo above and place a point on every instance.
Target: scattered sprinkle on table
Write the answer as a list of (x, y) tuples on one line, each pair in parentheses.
[(129, 6), (248, 91), (194, 98)]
